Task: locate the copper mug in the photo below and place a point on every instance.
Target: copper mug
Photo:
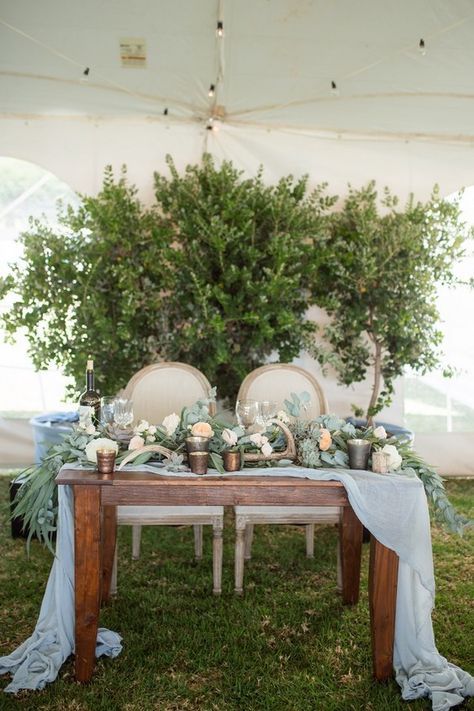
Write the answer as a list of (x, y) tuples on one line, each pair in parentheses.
[(232, 460), (105, 461)]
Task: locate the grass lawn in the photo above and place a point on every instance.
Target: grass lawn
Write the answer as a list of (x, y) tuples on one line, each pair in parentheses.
[(287, 645)]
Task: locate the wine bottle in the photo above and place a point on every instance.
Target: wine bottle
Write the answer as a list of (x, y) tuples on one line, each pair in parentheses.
[(90, 397)]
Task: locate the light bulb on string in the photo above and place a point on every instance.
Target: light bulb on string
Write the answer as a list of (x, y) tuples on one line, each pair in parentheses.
[(212, 124), (165, 112), (220, 29), (85, 75), (422, 47), (334, 89), (212, 91)]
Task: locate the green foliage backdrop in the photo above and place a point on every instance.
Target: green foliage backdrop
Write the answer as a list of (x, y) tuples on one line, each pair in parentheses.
[(217, 274)]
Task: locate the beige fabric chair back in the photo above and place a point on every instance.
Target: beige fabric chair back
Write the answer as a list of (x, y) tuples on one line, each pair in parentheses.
[(162, 388), (278, 380)]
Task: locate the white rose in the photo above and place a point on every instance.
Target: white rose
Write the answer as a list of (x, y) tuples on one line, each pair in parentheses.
[(380, 432), (142, 426), (136, 442), (229, 437), (170, 423), (100, 443), (90, 429), (150, 439), (267, 449), (257, 439), (152, 430), (394, 458), (283, 417)]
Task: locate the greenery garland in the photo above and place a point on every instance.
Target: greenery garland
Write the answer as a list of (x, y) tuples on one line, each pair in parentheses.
[(320, 443)]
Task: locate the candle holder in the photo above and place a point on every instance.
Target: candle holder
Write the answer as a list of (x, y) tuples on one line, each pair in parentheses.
[(380, 462), (359, 451), (232, 460), (198, 462), (197, 444), (105, 461)]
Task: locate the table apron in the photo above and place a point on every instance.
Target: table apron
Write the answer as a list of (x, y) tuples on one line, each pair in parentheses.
[(165, 495)]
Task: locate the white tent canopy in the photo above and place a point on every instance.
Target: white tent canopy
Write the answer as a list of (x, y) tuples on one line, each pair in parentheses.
[(343, 91), (393, 106)]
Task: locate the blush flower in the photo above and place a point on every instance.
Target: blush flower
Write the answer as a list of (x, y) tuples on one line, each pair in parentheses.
[(202, 429), (136, 442), (380, 432), (266, 449), (325, 440)]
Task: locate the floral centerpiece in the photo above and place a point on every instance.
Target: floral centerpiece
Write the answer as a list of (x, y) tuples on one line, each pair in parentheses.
[(319, 443)]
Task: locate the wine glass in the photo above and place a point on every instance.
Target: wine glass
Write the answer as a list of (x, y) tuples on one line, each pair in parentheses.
[(267, 410), (107, 410), (246, 412), (123, 412)]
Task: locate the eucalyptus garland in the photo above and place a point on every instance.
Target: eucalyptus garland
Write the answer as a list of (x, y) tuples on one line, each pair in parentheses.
[(320, 443)]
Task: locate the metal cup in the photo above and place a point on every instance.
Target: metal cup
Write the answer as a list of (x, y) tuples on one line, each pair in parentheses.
[(359, 451), (105, 461), (232, 461), (197, 444), (198, 462)]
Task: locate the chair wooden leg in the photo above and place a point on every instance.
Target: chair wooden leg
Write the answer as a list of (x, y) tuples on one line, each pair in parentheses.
[(113, 578), (217, 545), (136, 540), (309, 533), (248, 541), (197, 541), (239, 558)]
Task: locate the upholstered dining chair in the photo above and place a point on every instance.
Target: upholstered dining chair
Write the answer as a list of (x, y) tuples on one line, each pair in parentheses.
[(275, 382), (156, 391)]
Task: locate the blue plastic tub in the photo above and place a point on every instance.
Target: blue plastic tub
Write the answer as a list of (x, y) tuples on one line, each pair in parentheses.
[(50, 428)]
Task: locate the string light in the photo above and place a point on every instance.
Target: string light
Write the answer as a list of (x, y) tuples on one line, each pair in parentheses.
[(212, 91), (422, 47), (212, 124), (334, 89), (220, 29), (85, 75), (165, 112)]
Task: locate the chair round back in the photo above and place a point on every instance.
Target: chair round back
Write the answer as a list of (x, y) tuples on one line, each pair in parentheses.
[(276, 381), (162, 388)]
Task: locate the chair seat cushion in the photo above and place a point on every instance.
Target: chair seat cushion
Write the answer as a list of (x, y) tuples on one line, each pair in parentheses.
[(154, 515), (288, 514)]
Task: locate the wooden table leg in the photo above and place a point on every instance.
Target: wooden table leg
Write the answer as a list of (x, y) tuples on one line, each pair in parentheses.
[(350, 546), (87, 557), (109, 536), (383, 575)]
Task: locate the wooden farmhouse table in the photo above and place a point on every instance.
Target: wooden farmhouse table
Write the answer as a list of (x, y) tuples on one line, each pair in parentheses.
[(96, 497)]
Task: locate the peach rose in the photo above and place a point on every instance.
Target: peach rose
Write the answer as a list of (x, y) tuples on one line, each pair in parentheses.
[(202, 429), (325, 440)]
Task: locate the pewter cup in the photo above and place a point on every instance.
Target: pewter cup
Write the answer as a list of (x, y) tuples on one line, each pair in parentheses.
[(197, 444), (198, 462), (358, 450)]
